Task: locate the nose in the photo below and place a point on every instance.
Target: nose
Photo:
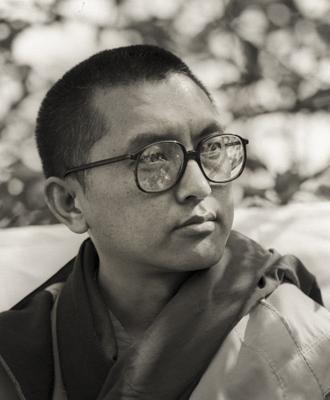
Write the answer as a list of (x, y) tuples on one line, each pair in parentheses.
[(193, 184)]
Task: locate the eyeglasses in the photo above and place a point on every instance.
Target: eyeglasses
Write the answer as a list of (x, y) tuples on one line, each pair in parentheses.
[(160, 165)]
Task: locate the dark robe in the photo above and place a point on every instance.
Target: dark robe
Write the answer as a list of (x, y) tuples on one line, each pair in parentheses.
[(174, 351)]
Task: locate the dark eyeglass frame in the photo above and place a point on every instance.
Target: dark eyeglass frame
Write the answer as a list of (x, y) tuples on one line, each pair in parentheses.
[(187, 154)]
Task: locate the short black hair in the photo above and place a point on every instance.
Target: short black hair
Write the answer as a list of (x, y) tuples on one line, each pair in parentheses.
[(67, 124)]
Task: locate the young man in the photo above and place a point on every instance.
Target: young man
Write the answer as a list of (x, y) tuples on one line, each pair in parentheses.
[(163, 300)]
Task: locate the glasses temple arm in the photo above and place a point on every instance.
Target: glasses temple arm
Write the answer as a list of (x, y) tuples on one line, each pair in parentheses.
[(98, 163)]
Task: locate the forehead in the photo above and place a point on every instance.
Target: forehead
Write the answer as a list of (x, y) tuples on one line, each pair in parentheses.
[(174, 107)]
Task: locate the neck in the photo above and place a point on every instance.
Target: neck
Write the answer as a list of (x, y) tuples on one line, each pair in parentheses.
[(136, 295)]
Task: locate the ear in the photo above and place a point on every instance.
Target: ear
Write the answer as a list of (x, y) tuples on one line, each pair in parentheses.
[(62, 201)]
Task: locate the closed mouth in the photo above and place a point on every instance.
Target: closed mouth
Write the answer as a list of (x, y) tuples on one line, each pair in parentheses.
[(197, 220)]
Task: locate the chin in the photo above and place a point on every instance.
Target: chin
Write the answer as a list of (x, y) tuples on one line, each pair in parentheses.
[(195, 252), (201, 256), (205, 261)]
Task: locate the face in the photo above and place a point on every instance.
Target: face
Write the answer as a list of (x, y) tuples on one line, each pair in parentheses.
[(182, 229)]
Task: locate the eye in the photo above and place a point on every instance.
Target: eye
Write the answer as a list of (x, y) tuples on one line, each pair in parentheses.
[(215, 146), (153, 157), (212, 149)]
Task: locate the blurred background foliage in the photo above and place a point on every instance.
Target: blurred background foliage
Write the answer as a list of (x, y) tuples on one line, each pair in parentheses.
[(267, 63)]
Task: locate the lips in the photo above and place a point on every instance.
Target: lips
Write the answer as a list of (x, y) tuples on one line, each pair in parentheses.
[(197, 220)]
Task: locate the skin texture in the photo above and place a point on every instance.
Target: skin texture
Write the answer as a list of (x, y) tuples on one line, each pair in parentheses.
[(137, 227), (145, 251)]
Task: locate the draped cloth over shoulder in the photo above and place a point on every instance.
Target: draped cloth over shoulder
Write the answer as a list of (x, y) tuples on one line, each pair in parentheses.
[(176, 349), (174, 352)]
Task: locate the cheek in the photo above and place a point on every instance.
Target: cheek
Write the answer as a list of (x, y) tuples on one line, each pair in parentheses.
[(126, 212), (224, 197), (145, 216)]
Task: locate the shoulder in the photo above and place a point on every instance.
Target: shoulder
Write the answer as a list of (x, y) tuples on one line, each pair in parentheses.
[(293, 333), (9, 387), (26, 359), (280, 350), (26, 348), (305, 320)]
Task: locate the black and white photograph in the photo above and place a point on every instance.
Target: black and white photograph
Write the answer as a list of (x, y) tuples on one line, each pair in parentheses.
[(164, 200)]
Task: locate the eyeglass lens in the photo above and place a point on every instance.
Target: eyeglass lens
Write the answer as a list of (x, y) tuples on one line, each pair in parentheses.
[(160, 164)]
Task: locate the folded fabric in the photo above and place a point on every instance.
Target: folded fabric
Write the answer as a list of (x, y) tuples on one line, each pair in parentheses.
[(175, 350)]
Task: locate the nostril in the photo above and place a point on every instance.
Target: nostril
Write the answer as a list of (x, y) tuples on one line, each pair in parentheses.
[(262, 282)]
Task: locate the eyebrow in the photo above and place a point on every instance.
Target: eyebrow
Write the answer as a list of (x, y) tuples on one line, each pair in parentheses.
[(211, 128), (144, 138)]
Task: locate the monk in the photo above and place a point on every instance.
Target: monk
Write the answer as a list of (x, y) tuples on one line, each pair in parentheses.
[(163, 301)]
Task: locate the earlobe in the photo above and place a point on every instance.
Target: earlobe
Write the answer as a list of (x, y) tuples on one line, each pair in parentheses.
[(63, 203)]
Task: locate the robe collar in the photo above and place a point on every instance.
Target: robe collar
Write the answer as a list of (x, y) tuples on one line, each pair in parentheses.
[(178, 346)]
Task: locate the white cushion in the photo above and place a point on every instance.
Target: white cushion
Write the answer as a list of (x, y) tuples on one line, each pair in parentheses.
[(30, 255)]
